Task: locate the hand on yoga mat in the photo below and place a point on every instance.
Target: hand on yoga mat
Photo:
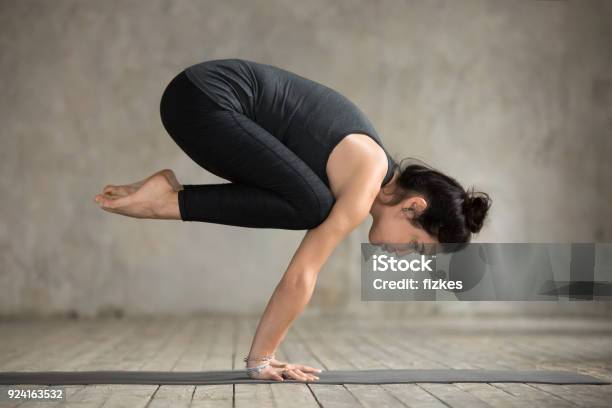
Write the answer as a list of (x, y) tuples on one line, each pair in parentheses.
[(283, 364), (280, 370)]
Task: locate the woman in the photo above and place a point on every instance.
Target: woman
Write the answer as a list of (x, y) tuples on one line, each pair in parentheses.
[(299, 156)]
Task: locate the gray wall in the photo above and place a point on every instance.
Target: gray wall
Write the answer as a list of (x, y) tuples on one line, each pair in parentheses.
[(512, 97)]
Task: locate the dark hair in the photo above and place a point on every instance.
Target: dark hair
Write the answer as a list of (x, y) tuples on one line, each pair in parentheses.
[(452, 213)]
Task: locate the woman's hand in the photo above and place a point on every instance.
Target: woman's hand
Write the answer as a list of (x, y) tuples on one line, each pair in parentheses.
[(283, 364), (280, 370)]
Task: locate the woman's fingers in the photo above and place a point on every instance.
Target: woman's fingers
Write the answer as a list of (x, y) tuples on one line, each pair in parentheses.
[(277, 377), (291, 372), (296, 375), (302, 367), (303, 371), (307, 369), (299, 375), (277, 374)]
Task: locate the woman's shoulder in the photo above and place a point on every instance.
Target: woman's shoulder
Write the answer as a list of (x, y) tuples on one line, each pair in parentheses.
[(357, 159)]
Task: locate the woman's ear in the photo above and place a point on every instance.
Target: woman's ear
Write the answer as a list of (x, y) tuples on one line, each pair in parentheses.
[(414, 206)]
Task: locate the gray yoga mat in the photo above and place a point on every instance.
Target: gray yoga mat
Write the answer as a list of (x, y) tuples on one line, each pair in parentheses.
[(326, 377)]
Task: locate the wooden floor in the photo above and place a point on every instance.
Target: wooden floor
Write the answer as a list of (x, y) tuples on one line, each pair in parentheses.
[(213, 343)]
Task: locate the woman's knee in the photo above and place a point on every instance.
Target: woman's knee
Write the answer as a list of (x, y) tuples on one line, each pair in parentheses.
[(313, 214)]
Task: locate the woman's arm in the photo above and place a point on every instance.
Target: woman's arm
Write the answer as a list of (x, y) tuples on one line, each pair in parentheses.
[(296, 286)]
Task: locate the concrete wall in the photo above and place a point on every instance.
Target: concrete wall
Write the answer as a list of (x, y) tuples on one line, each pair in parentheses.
[(513, 97)]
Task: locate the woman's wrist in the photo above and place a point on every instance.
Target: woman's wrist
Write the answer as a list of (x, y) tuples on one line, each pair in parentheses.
[(256, 364), (256, 360), (257, 369)]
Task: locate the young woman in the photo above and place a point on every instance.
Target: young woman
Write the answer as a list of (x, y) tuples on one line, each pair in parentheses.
[(298, 155)]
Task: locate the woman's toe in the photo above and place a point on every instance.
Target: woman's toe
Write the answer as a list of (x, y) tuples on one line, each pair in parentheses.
[(103, 200), (113, 190), (108, 202)]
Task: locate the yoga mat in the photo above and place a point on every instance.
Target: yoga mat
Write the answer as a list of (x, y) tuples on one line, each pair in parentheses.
[(326, 377)]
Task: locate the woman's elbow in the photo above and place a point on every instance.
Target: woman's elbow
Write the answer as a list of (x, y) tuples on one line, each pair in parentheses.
[(298, 282)]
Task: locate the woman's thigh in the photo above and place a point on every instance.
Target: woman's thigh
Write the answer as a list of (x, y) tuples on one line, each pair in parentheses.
[(232, 146)]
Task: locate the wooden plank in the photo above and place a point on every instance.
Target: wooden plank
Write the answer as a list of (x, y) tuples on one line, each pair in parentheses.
[(439, 348), (220, 333), (191, 358), (297, 349), (64, 342), (110, 337), (94, 395), (335, 352), (519, 357), (21, 337), (382, 348), (378, 357), (109, 351), (390, 356), (566, 351), (155, 338), (129, 333), (246, 395), (444, 355), (169, 396), (219, 343), (86, 336), (295, 395)]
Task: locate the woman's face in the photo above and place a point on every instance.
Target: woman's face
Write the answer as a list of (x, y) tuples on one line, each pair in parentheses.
[(391, 224)]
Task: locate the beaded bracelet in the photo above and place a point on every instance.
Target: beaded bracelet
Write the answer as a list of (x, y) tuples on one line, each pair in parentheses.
[(257, 369), (246, 359)]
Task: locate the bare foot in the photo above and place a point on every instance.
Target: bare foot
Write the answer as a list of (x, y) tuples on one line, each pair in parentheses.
[(155, 197), (127, 189)]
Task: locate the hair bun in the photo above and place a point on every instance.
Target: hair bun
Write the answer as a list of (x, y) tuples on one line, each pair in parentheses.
[(475, 208)]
